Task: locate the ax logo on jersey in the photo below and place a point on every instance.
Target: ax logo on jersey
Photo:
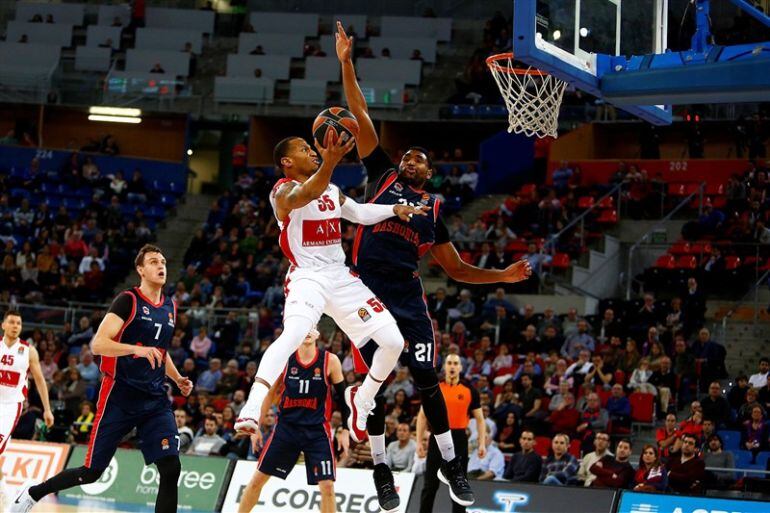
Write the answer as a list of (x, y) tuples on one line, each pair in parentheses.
[(364, 314), (321, 232), (507, 500)]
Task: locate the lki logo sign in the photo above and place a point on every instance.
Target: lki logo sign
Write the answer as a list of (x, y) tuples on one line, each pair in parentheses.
[(507, 500)]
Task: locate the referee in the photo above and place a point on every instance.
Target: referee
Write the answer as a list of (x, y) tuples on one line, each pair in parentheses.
[(461, 401)]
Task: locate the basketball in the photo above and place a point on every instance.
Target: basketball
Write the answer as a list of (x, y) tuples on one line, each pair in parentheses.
[(340, 121)]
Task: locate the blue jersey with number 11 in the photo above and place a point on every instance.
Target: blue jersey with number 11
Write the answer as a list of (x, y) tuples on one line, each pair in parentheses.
[(306, 398)]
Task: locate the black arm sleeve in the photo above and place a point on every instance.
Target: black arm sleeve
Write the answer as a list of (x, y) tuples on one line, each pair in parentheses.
[(339, 388), (475, 401), (378, 165), (122, 306), (441, 234)]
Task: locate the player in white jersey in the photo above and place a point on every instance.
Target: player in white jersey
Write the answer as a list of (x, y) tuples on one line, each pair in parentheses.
[(17, 359), (309, 209)]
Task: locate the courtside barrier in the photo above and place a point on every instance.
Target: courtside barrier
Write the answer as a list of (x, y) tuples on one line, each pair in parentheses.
[(354, 489), (24, 460), (505, 497), (128, 481), (634, 502)]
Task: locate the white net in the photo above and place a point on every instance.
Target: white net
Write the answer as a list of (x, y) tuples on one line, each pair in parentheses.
[(532, 97)]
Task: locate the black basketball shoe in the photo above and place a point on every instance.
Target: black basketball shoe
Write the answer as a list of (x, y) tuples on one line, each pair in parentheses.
[(452, 474), (386, 489)]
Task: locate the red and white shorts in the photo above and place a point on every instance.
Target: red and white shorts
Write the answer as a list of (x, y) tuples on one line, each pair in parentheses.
[(8, 420)]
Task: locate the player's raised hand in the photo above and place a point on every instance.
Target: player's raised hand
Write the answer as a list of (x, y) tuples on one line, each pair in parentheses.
[(48, 418), (517, 272), (405, 212), (153, 355), (185, 386), (343, 43), (332, 149)]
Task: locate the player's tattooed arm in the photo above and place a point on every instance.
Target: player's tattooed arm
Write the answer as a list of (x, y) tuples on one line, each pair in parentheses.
[(292, 195), (367, 135)]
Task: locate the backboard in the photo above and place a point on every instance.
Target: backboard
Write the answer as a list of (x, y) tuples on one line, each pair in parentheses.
[(573, 40)]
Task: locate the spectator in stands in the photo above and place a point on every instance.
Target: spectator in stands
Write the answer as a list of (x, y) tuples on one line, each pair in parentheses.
[(367, 54), (651, 476), (137, 190), (81, 428), (687, 471), (403, 381), (37, 18), (665, 381), (754, 436), (715, 406), (711, 355), (490, 467), (593, 419), (208, 380), (385, 53), (580, 368), (614, 472), (257, 51), (737, 394), (640, 378), (90, 258), (257, 72), (560, 468), (531, 399), (601, 449), (619, 408), (509, 433), (565, 418), (745, 411), (88, 370), (465, 308), (83, 336), (693, 425), (524, 466), (715, 456), (416, 55), (399, 455), (23, 39), (759, 380), (554, 383), (684, 367), (201, 344), (631, 357), (186, 434), (601, 374), (208, 442), (72, 391), (578, 341), (537, 260)]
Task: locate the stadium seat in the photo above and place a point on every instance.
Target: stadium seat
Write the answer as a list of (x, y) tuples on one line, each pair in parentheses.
[(527, 189), (743, 458), (586, 202), (390, 70), (322, 68), (173, 39), (56, 34), (715, 189), (731, 440), (108, 13), (92, 58), (190, 19), (292, 45), (687, 262), (609, 216), (409, 26), (620, 377), (665, 262), (99, 34), (574, 448), (732, 262), (275, 67), (604, 395), (701, 248), (174, 63), (63, 13), (680, 248), (305, 24), (642, 408), (560, 261), (402, 47), (307, 92), (542, 445), (608, 202)]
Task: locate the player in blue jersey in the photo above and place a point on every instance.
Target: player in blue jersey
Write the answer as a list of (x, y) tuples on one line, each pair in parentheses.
[(386, 256), (304, 410), (132, 340)]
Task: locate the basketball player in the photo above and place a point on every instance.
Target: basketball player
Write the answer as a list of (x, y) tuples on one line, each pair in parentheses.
[(304, 410), (387, 258), (462, 402), (308, 209), (17, 359), (132, 340)]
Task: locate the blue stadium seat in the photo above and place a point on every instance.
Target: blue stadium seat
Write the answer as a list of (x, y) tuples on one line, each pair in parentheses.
[(762, 458), (20, 193), (743, 459), (731, 440)]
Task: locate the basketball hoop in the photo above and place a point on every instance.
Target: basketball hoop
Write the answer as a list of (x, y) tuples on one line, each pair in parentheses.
[(532, 97)]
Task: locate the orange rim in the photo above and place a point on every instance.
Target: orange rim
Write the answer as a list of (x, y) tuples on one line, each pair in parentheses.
[(492, 63)]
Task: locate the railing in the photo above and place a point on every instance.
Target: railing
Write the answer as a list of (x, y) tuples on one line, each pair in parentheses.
[(660, 224)]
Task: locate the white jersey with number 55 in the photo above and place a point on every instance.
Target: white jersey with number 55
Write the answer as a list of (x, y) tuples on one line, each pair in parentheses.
[(310, 236)]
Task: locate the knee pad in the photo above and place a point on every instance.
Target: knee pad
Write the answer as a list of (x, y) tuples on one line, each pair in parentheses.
[(90, 475), (169, 467), (426, 380)]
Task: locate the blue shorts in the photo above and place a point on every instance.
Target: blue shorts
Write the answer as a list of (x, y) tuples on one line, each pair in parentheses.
[(283, 446), (405, 299), (116, 417)]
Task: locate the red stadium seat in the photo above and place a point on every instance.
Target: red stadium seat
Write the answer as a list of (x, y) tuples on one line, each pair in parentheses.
[(585, 202), (719, 202), (608, 217), (179, 401), (608, 202), (715, 189), (604, 395), (466, 256), (574, 448), (517, 246), (542, 445), (560, 261), (732, 262), (687, 262), (701, 248), (220, 403), (642, 407), (620, 377), (676, 189), (665, 262), (680, 248), (527, 189)]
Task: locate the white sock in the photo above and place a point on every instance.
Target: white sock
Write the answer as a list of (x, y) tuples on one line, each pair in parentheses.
[(377, 443), (446, 445), (295, 329), (391, 344), (257, 396)]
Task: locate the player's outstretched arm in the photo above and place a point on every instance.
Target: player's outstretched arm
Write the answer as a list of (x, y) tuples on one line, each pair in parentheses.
[(104, 342), (448, 258), (372, 213), (367, 135), (292, 195), (42, 386)]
